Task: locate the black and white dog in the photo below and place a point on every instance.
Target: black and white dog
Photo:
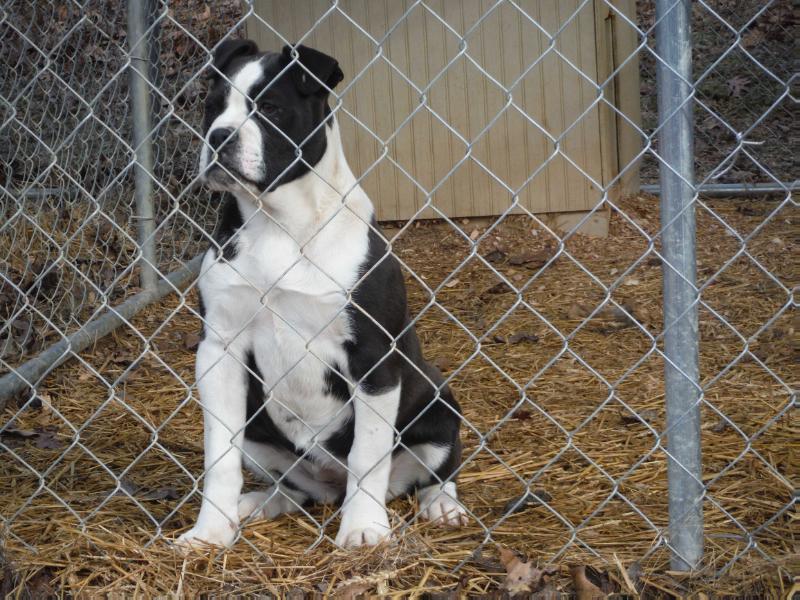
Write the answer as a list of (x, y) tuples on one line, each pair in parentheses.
[(309, 371)]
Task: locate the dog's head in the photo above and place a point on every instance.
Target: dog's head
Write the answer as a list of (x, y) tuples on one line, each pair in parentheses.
[(265, 115)]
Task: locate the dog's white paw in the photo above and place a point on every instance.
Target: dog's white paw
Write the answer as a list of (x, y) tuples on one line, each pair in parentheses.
[(202, 536), (363, 528), (254, 504), (440, 506), (445, 511), (368, 536)]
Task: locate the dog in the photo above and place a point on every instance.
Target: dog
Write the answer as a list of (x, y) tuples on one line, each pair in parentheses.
[(309, 371)]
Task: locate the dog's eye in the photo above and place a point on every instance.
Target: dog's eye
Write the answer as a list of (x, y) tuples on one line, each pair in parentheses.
[(269, 109)]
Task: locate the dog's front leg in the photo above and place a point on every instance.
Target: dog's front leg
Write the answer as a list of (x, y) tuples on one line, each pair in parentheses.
[(364, 518), (222, 383)]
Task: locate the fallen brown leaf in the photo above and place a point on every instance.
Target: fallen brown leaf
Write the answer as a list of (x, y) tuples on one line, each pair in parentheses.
[(520, 503), (495, 256), (44, 438), (523, 336), (357, 586), (47, 440), (205, 15), (442, 363), (162, 493), (631, 587), (648, 415), (532, 259), (498, 288), (523, 577), (578, 311), (737, 85), (191, 341), (585, 589)]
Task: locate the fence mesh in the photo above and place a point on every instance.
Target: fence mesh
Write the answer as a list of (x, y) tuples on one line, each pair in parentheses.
[(552, 341)]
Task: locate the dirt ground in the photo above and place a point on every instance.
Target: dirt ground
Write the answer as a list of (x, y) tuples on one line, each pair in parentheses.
[(578, 423)]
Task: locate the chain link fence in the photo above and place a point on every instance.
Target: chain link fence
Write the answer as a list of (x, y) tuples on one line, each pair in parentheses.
[(627, 400)]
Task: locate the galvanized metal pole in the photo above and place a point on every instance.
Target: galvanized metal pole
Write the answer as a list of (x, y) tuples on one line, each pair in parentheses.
[(139, 12), (735, 190), (28, 375), (676, 147)]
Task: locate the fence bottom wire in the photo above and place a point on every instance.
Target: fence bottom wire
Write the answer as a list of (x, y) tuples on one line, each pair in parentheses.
[(745, 415)]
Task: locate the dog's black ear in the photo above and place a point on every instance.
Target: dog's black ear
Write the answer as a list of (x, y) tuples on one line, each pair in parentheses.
[(325, 69), (230, 49)]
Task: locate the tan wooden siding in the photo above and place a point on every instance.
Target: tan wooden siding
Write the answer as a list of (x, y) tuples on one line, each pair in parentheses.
[(394, 134)]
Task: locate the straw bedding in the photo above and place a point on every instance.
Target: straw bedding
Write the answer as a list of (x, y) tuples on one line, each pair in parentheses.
[(152, 444)]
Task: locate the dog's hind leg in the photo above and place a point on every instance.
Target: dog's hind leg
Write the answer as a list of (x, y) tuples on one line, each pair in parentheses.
[(419, 467), (439, 503), (292, 482), (268, 504)]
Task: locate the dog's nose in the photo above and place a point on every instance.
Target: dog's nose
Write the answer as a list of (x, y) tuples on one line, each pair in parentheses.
[(220, 136)]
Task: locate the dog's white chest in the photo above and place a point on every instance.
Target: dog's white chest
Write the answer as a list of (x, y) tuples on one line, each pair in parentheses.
[(287, 306), (297, 343)]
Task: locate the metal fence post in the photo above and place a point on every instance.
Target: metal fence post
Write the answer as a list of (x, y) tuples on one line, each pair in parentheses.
[(674, 80), (139, 13)]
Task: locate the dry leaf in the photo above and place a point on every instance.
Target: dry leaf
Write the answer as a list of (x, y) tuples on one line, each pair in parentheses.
[(648, 415), (442, 363), (357, 586), (720, 426), (498, 288), (737, 85), (653, 261), (521, 576), (753, 38), (532, 260), (523, 336), (352, 591), (191, 341), (44, 438), (47, 440), (162, 493), (578, 311), (474, 235), (495, 256), (452, 283), (520, 503), (122, 357), (631, 587), (206, 14), (585, 589)]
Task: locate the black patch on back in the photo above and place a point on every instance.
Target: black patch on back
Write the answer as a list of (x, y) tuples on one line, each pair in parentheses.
[(381, 294), (426, 400)]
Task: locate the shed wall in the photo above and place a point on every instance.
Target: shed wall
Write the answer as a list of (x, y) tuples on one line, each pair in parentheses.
[(437, 124)]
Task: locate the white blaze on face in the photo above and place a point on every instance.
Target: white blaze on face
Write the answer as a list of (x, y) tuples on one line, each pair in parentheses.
[(247, 151)]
